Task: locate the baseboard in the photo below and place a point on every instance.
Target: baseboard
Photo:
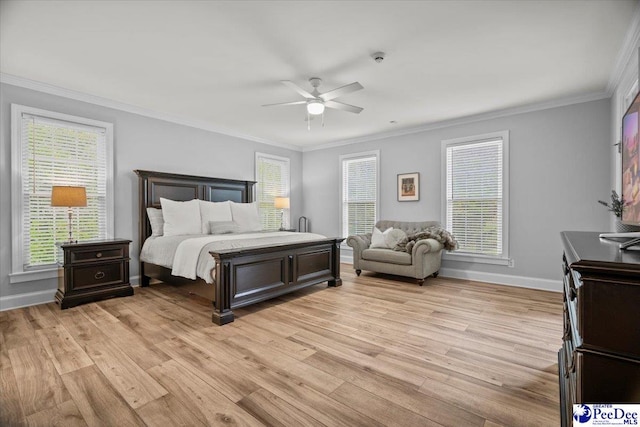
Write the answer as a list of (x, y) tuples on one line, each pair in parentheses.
[(346, 259), (346, 254), (24, 300), (41, 297), (497, 279), (503, 279)]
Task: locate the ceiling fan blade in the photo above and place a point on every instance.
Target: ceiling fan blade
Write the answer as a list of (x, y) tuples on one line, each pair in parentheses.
[(285, 103), (342, 106), (327, 96), (298, 89)]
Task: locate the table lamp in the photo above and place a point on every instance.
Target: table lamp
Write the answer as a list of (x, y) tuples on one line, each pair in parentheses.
[(281, 203), (69, 197)]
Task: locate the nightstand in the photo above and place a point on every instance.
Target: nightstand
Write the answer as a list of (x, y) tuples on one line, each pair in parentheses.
[(93, 270)]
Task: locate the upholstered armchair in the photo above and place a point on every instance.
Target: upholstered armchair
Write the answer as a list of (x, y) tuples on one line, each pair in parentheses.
[(423, 261)]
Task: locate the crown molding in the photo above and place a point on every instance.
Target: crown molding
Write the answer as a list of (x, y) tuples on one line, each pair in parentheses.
[(464, 120), (117, 105), (626, 52), (108, 103)]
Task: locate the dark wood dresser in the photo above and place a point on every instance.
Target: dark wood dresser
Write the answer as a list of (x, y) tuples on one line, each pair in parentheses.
[(599, 361), (93, 270)]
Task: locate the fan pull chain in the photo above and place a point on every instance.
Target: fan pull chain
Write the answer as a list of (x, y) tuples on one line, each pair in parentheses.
[(308, 121), (323, 119)]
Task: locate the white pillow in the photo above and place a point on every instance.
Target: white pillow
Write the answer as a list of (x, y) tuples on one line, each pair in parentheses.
[(223, 227), (214, 211), (156, 220), (378, 238), (246, 216), (181, 217)]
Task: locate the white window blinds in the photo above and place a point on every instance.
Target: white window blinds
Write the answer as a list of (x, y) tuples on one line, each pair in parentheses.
[(474, 196), (272, 175), (359, 194), (59, 152)]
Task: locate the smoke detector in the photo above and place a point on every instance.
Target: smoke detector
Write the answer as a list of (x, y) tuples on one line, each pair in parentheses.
[(378, 57)]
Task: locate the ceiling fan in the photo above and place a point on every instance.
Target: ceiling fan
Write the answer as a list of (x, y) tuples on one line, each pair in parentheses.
[(316, 101)]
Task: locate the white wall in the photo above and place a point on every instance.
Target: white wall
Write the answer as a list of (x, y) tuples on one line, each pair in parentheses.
[(139, 143), (562, 162), (559, 168)]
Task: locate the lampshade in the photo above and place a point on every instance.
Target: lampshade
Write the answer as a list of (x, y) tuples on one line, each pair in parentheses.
[(315, 107), (281, 203), (68, 196)]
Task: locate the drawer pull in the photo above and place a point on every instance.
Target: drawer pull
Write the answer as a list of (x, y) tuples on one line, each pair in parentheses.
[(99, 255), (99, 275)]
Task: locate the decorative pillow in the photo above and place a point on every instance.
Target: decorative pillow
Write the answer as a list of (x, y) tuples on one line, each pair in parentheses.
[(246, 216), (156, 220), (223, 227), (394, 237), (378, 238), (181, 217), (214, 212)]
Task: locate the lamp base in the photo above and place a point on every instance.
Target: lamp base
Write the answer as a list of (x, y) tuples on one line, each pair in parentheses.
[(71, 239)]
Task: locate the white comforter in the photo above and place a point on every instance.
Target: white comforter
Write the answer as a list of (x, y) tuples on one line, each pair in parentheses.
[(188, 256)]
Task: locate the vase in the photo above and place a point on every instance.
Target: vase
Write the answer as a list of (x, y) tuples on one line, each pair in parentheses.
[(625, 228)]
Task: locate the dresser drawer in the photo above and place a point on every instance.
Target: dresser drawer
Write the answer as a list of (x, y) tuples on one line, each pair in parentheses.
[(98, 254), (603, 378), (607, 317), (92, 276)]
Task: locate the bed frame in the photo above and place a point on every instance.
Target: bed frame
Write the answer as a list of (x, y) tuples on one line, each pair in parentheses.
[(245, 276)]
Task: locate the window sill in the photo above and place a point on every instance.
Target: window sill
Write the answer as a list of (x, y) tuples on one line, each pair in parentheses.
[(32, 276), (479, 259)]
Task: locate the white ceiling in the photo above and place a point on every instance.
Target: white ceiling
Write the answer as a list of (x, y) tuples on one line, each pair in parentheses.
[(218, 62)]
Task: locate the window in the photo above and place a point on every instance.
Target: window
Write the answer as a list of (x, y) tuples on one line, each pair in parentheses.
[(272, 174), (56, 149), (475, 179), (359, 192)]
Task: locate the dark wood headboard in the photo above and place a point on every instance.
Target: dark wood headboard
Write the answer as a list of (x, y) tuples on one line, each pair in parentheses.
[(153, 185)]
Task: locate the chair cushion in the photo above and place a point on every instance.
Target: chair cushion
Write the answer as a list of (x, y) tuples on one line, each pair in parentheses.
[(387, 255)]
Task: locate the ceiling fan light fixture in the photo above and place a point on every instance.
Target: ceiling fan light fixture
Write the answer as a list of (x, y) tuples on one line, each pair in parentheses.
[(315, 107)]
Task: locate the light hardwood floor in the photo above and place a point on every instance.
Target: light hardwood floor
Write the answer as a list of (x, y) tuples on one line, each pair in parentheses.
[(376, 351)]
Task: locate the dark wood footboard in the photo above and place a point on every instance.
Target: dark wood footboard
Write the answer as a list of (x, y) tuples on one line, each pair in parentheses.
[(252, 275)]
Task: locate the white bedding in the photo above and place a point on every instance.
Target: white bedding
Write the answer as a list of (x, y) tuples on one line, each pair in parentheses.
[(188, 256)]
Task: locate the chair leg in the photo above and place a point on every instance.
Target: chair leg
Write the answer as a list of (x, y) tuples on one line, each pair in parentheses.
[(358, 271), (420, 282), (435, 274)]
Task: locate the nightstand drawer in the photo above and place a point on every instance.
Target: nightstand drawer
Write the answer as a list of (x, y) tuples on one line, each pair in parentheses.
[(97, 255), (92, 276)]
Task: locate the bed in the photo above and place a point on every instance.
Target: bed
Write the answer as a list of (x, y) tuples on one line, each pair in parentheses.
[(242, 276)]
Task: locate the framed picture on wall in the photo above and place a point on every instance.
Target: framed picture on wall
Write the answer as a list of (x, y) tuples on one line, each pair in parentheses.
[(409, 187)]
